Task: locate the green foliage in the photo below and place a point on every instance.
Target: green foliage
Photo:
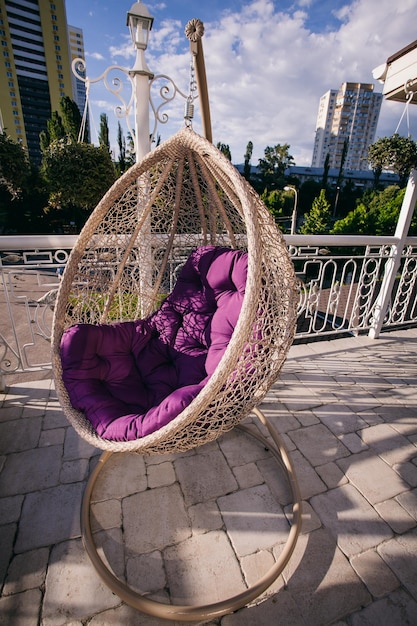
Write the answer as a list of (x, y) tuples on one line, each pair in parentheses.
[(225, 149), (247, 163), (274, 201), (103, 135), (376, 214), (317, 221), (358, 221), (14, 165), (71, 117), (395, 153), (77, 174), (59, 126), (272, 167)]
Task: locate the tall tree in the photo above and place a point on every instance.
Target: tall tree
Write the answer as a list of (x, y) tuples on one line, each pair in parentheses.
[(247, 163), (121, 142), (223, 147), (78, 175), (317, 221), (14, 165), (326, 168), (103, 136), (71, 117), (272, 167), (395, 153)]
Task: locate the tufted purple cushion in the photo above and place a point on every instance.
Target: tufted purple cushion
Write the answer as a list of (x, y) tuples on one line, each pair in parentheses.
[(132, 378)]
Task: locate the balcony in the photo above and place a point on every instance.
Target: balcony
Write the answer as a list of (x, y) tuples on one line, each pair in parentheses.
[(340, 280), (344, 403)]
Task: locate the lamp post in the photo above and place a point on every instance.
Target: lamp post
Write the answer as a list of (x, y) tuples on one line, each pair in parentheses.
[(140, 23), (294, 212)]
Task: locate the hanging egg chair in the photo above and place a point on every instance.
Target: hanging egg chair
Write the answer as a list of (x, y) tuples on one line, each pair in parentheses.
[(174, 316)]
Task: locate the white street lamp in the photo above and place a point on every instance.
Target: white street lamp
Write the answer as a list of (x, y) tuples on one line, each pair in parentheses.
[(140, 23), (294, 212)]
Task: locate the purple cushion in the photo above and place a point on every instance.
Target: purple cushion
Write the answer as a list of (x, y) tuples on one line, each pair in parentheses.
[(132, 378)]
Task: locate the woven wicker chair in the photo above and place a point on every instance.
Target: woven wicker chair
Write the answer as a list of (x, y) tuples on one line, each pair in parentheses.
[(183, 195)]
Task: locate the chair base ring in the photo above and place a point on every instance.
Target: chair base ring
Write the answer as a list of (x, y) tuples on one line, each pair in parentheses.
[(190, 613)]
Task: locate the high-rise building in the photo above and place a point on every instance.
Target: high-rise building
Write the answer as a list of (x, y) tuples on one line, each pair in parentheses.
[(347, 118), (35, 67), (76, 51)]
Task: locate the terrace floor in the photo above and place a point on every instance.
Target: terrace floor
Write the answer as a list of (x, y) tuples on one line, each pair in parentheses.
[(210, 521)]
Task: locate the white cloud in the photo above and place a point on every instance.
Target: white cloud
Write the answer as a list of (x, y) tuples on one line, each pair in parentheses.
[(266, 70), (95, 55)]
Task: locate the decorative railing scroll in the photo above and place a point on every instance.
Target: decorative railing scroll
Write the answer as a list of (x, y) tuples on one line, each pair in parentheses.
[(119, 82), (339, 280)]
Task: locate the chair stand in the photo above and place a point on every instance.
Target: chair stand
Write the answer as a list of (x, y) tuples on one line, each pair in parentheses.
[(217, 609)]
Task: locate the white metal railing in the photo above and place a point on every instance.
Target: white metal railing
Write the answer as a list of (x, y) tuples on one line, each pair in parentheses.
[(340, 279)]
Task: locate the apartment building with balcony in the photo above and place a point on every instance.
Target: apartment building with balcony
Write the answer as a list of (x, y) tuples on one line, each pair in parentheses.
[(347, 116), (35, 67)]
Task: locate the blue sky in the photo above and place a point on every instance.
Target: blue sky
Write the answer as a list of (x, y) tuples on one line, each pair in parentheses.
[(267, 62)]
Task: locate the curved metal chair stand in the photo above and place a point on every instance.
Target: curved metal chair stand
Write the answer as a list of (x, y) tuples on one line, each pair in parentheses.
[(192, 613), (182, 196)]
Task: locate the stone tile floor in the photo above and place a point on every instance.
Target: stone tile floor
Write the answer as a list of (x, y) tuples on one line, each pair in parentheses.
[(213, 520)]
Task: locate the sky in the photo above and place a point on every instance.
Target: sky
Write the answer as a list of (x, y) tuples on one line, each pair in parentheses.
[(267, 63)]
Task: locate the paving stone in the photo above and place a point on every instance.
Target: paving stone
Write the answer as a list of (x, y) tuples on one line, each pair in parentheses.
[(49, 516), (310, 520), (318, 444), (111, 550), (280, 609), (254, 520), (9, 413), (351, 520), (353, 442), (280, 417), (204, 478), (397, 609), (372, 476), (7, 535), (52, 437), (239, 447), (126, 616), (248, 475), (10, 509), (307, 418), (395, 515), (408, 472), (203, 569), (77, 448), (331, 474), (74, 471), (400, 554), (408, 500), (154, 519), (24, 435), (161, 475), (107, 514), (205, 516), (31, 470), (276, 479), (73, 590), (309, 482), (26, 571), (21, 609), (388, 443), (321, 581), (122, 475), (339, 418), (374, 572), (54, 417), (255, 566), (146, 573)]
